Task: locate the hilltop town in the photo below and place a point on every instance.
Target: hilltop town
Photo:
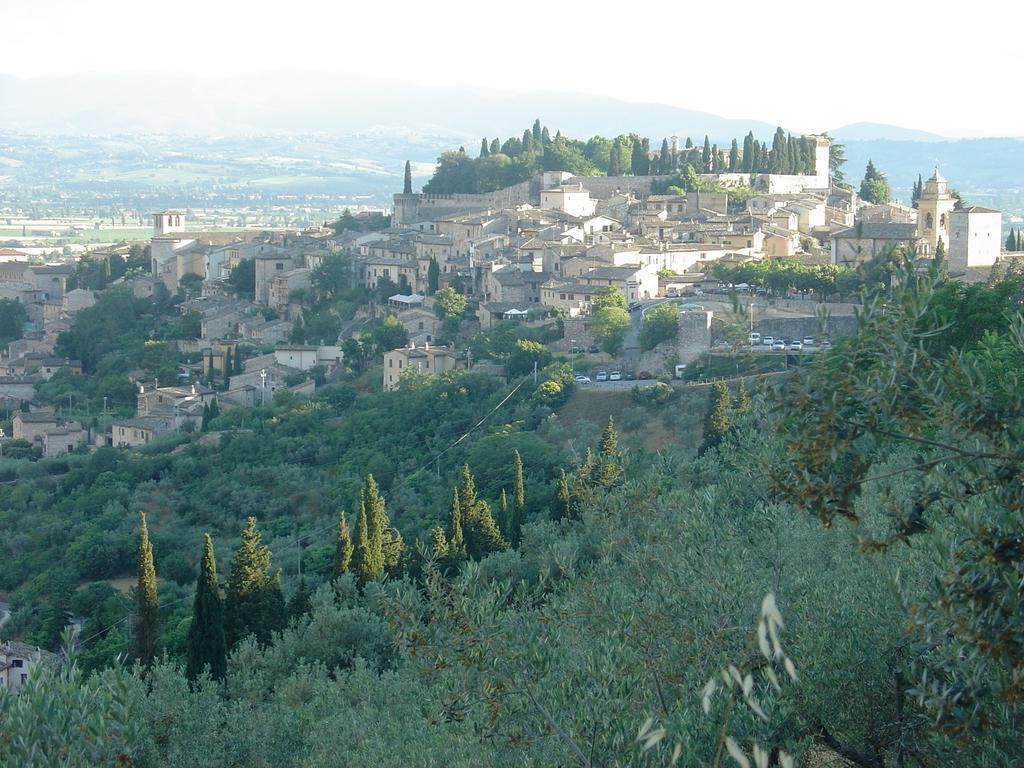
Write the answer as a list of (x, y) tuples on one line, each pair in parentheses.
[(421, 287)]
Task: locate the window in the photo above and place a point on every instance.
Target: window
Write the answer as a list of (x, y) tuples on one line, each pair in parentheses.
[(18, 663), (279, 266)]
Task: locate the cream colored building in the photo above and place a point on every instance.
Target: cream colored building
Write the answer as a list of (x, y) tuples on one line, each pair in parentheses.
[(572, 199), (17, 661), (975, 237), (420, 358), (64, 438), (130, 433), (32, 426)]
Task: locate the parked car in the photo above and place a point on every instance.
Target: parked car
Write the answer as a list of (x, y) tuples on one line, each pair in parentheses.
[(630, 376), (796, 346), (808, 341), (634, 306), (593, 349), (601, 376), (826, 343), (768, 340), (779, 346), (698, 292), (615, 376), (754, 339), (645, 375), (581, 379), (576, 350)]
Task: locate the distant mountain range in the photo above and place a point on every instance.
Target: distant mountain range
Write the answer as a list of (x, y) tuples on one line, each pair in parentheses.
[(365, 129), (882, 132), (305, 103)]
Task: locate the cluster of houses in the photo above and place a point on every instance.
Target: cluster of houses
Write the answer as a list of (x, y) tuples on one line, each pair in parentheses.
[(550, 244)]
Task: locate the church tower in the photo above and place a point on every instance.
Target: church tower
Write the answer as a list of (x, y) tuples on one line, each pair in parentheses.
[(933, 211)]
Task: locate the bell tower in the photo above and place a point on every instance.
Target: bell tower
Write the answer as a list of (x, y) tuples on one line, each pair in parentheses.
[(933, 210)]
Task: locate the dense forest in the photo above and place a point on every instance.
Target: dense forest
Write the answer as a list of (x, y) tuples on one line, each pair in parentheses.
[(504, 163), (837, 569)]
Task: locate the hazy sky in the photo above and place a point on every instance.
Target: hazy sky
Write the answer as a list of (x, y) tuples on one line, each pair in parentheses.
[(949, 67)]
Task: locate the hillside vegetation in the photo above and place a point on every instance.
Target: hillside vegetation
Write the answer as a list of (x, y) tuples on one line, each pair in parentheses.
[(839, 566)]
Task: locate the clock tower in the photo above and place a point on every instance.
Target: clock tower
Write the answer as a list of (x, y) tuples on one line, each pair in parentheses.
[(933, 211)]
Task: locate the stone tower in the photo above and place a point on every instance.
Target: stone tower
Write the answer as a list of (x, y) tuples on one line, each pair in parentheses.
[(168, 222), (933, 211)]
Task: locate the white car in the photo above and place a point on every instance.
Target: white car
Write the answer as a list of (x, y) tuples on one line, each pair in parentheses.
[(615, 376), (768, 340), (796, 346), (808, 341), (779, 346), (581, 379), (754, 339), (602, 376)]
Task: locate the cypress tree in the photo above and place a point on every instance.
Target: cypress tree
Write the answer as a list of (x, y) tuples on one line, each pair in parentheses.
[(480, 533), (484, 151), (615, 159), (734, 157), (467, 490), (706, 156), (1020, 240), (206, 418), (742, 398), (1011, 241), (343, 548), (205, 644), (564, 498), (378, 524), (456, 539), (792, 162), (609, 467), (545, 136), (433, 276), (146, 601), (777, 159), (254, 602), (748, 153), (438, 543), (229, 368), (639, 162), (527, 141), (665, 158), (407, 186), (495, 147), (518, 499), (585, 473), (362, 556), (504, 521), (720, 166), (689, 143), (537, 131), (301, 602), (716, 423)]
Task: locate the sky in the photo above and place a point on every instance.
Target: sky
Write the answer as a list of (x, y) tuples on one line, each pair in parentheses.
[(938, 66)]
